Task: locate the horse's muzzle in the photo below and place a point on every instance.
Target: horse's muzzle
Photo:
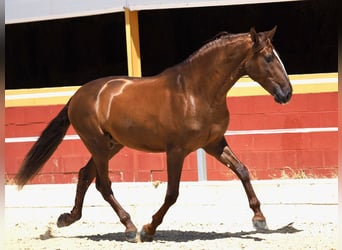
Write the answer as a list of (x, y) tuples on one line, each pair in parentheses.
[(282, 96)]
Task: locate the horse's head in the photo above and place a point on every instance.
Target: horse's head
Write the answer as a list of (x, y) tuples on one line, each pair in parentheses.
[(264, 66)]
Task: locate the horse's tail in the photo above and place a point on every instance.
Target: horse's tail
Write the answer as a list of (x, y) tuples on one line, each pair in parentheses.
[(44, 147)]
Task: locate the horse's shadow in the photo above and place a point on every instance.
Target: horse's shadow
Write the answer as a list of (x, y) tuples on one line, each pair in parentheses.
[(185, 236)]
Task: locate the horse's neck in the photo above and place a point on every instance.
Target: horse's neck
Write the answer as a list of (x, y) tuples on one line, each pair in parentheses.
[(216, 71)]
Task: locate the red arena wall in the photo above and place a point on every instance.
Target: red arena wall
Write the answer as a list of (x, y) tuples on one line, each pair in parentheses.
[(275, 141)]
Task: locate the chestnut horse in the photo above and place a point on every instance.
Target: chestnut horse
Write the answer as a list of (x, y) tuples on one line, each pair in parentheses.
[(178, 111)]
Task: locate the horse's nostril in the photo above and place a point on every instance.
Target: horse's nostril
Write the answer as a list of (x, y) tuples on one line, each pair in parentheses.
[(289, 95)]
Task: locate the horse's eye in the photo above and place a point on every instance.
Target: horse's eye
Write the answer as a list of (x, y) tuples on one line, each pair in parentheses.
[(269, 58)]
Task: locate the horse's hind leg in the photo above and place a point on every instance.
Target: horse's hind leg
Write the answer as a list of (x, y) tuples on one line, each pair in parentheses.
[(103, 185), (224, 154), (85, 177)]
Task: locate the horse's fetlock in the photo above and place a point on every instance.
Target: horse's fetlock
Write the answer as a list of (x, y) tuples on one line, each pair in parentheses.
[(76, 217), (125, 218), (254, 203)]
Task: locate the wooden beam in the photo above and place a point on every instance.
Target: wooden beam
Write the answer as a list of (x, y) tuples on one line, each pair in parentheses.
[(132, 42)]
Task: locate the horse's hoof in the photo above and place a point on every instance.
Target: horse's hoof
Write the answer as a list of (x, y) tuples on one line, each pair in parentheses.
[(65, 220), (132, 236), (260, 225), (145, 237)]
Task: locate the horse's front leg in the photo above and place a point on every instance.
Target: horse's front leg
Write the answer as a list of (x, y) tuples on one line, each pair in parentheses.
[(175, 159), (224, 154)]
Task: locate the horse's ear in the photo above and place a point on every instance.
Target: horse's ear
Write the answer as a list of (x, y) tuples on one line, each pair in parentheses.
[(270, 34), (254, 37)]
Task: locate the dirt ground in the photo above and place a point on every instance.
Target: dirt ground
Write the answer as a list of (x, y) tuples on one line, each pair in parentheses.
[(310, 235), (188, 225)]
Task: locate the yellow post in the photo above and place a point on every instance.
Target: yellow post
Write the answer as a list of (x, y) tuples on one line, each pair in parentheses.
[(132, 42)]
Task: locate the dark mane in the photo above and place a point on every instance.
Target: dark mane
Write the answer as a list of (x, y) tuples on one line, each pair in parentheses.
[(220, 35), (218, 40)]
